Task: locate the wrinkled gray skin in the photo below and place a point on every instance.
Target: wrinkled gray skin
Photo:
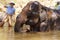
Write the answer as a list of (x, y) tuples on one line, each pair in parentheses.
[(31, 14)]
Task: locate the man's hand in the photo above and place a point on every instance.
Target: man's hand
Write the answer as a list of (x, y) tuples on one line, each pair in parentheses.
[(5, 6)]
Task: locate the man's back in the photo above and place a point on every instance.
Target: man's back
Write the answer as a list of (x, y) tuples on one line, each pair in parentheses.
[(10, 10), (58, 7)]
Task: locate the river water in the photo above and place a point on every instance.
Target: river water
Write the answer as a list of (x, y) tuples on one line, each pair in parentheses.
[(6, 34)]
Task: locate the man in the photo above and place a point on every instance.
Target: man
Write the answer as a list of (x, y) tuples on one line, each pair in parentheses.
[(10, 11), (58, 6)]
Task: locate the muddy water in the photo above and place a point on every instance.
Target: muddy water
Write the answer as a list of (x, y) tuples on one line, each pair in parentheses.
[(6, 34)]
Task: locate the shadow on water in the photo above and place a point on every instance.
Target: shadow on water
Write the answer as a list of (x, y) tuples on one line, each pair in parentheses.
[(6, 34)]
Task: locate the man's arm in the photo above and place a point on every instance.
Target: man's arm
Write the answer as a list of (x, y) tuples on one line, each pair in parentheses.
[(5, 6), (14, 11)]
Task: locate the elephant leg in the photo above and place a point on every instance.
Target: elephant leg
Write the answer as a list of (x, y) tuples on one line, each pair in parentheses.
[(43, 27), (58, 24), (35, 28), (17, 27), (31, 28), (52, 25)]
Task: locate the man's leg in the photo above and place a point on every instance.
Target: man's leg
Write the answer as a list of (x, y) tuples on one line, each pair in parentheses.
[(10, 21)]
